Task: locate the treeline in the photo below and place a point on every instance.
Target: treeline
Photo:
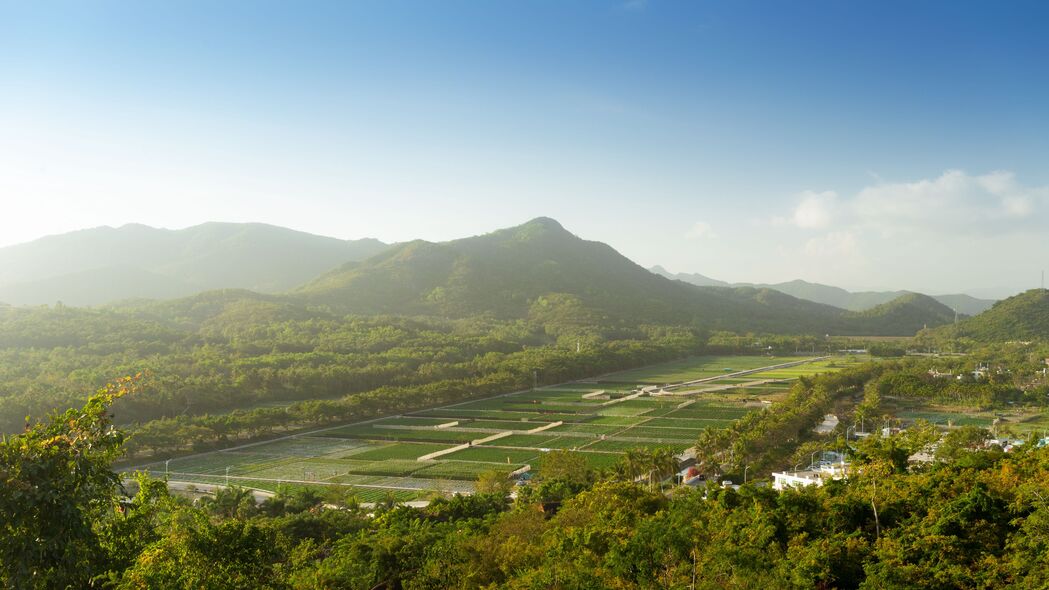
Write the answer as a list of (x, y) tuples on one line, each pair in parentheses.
[(978, 519), (243, 355)]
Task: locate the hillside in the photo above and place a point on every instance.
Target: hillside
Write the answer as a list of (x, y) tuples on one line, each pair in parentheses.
[(836, 296), (540, 269), (1020, 317), (910, 309), (105, 264)]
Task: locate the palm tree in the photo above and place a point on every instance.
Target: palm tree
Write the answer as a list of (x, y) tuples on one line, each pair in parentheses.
[(663, 464)]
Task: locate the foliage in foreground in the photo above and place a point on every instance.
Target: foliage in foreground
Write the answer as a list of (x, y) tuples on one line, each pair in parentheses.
[(980, 520)]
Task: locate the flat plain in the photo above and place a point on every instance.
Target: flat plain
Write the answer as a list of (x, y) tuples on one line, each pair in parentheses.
[(444, 450)]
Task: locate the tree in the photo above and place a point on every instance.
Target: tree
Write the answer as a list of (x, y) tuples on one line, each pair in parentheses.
[(56, 483), (494, 482), (565, 466)]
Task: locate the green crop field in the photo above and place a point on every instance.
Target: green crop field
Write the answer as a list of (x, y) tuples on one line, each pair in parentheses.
[(463, 470), (380, 457), (494, 455), (410, 451), (695, 368)]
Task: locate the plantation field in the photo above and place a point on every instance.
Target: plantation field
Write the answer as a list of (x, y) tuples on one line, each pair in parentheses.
[(382, 456), (694, 368)]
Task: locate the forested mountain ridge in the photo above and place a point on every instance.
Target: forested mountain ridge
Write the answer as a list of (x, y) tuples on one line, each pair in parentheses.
[(105, 264), (836, 296), (1020, 317), (539, 268)]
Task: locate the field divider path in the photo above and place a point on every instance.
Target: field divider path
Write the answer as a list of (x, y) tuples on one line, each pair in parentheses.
[(480, 441), (546, 427), (625, 398)]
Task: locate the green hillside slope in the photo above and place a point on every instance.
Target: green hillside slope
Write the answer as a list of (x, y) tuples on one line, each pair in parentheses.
[(523, 270), (1020, 317)]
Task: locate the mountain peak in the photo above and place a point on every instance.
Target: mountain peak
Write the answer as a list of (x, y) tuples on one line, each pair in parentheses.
[(544, 222)]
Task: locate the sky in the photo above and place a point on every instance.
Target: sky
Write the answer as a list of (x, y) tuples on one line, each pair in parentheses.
[(865, 144)]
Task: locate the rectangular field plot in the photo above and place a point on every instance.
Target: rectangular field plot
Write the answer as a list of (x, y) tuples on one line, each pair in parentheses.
[(540, 440), (417, 421), (493, 455), (658, 432), (303, 446), (709, 412), (624, 410), (617, 420), (533, 441), (391, 467), (695, 368), (695, 424), (620, 446), (399, 451), (463, 470), (590, 429), (538, 417), (504, 424), (387, 434)]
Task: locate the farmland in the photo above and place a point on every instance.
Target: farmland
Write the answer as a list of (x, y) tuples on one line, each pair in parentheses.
[(443, 450)]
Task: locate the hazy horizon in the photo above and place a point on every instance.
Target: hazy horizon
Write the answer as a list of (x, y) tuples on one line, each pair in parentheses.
[(983, 292), (873, 146)]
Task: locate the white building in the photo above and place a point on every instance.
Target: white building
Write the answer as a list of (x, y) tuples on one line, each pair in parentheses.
[(815, 475)]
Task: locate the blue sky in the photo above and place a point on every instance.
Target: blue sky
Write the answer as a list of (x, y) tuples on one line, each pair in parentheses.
[(864, 144)]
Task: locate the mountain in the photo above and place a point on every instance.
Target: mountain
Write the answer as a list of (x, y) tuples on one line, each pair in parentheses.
[(1020, 317), (105, 264), (692, 278), (539, 269), (826, 294)]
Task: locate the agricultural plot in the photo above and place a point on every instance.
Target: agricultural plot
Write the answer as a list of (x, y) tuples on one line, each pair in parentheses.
[(397, 451), (695, 368), (383, 456), (494, 455)]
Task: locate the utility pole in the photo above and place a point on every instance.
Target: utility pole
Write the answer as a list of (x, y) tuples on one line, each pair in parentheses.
[(535, 379), (227, 476)]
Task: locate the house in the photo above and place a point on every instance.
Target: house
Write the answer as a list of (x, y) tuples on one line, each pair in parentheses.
[(831, 466)]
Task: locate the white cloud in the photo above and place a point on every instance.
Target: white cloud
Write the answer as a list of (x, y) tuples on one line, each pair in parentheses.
[(952, 202), (837, 245), (815, 211), (700, 230)]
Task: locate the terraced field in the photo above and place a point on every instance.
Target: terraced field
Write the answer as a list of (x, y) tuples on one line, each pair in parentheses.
[(443, 450)]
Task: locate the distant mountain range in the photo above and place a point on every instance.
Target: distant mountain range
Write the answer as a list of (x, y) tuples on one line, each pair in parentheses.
[(102, 265), (826, 294), (539, 269)]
